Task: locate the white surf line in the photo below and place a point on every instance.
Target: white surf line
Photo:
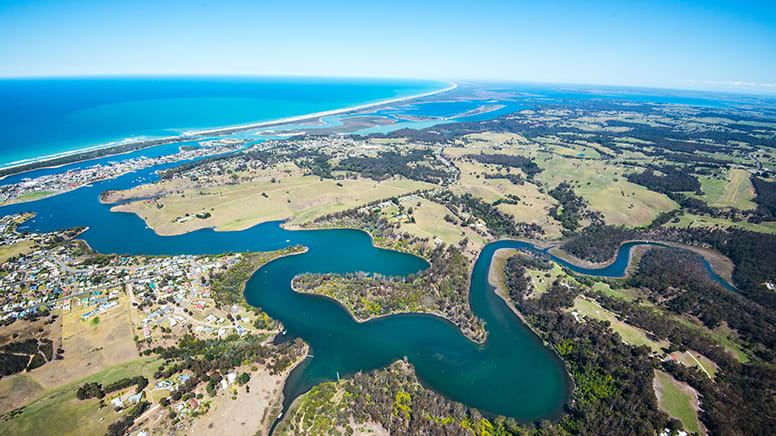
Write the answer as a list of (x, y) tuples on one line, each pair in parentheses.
[(86, 149), (193, 134), (322, 114)]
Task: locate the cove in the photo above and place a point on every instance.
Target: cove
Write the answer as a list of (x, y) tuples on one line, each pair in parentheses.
[(511, 374)]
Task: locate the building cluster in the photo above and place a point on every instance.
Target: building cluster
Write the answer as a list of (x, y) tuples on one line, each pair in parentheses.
[(65, 277), (177, 281), (337, 147), (32, 188), (30, 278)]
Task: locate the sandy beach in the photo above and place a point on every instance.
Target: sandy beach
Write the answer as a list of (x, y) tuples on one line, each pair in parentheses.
[(194, 134), (316, 115)]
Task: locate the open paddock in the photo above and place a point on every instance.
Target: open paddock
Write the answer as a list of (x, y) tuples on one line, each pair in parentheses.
[(59, 409), (240, 206), (630, 334), (679, 400)]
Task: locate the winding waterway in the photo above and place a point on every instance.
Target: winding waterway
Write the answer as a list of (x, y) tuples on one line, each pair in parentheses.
[(511, 374)]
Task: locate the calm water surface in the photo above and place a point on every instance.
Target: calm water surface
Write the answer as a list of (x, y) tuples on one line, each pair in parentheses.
[(511, 374), (530, 381)]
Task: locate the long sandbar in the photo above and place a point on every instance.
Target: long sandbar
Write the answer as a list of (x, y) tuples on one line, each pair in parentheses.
[(97, 151)]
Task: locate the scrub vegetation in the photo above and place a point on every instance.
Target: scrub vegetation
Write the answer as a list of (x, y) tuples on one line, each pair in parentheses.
[(442, 289)]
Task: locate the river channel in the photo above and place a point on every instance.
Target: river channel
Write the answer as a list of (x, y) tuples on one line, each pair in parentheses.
[(512, 373)]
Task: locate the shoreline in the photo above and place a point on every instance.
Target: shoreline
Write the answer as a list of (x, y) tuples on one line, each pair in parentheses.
[(720, 264), (73, 156), (316, 115), (267, 419), (86, 149), (359, 320), (82, 155), (497, 280)]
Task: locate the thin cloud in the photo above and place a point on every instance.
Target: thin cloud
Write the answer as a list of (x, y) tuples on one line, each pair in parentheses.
[(735, 84)]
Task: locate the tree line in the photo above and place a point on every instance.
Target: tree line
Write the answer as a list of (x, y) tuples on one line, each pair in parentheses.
[(528, 166), (391, 163)]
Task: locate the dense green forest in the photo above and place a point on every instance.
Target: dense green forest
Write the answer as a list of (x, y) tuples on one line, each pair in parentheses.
[(679, 281), (736, 402), (599, 243), (390, 163), (672, 179), (614, 392), (26, 355), (766, 198), (516, 179), (517, 282), (442, 288), (751, 252)]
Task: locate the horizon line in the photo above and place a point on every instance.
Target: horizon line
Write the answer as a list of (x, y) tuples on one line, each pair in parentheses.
[(739, 90)]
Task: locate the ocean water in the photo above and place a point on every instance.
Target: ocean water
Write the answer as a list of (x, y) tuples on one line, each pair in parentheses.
[(42, 117)]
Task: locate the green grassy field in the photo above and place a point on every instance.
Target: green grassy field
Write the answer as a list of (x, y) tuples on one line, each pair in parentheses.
[(9, 251), (606, 189), (676, 402), (540, 279), (721, 336), (430, 223), (533, 206), (629, 333), (31, 196), (239, 206), (695, 359), (627, 294), (603, 185), (690, 220), (735, 190), (59, 410)]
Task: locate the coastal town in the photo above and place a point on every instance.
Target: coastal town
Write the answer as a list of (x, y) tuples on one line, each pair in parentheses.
[(68, 276), (29, 189), (82, 309)]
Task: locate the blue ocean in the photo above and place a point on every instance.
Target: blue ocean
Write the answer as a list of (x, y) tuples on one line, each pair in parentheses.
[(43, 117)]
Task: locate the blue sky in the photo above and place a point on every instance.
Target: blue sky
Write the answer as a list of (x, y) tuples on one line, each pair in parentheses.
[(694, 44)]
